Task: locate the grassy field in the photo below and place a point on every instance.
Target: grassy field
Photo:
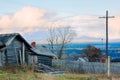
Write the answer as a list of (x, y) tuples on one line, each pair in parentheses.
[(25, 73), (4, 75), (40, 76)]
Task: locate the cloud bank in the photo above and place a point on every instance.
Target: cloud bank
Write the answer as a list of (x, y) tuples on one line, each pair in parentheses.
[(32, 19), (28, 19)]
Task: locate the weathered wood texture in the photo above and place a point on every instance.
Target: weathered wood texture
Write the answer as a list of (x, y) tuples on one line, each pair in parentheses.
[(87, 67), (13, 52), (46, 60), (13, 55)]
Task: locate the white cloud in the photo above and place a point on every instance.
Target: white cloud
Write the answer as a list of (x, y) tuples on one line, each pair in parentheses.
[(114, 27), (92, 26), (32, 19), (28, 19)]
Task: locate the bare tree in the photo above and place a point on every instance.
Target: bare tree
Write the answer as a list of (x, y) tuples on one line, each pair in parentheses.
[(59, 38)]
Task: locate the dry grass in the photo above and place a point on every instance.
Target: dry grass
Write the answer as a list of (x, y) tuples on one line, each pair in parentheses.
[(40, 76), (27, 73)]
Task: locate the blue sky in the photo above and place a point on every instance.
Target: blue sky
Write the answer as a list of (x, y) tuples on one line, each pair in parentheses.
[(82, 15), (67, 6)]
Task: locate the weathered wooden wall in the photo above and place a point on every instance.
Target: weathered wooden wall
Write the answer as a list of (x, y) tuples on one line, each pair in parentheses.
[(87, 67), (1, 58), (47, 60), (12, 52), (32, 59)]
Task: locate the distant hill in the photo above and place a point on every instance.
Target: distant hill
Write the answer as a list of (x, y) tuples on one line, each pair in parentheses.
[(77, 47)]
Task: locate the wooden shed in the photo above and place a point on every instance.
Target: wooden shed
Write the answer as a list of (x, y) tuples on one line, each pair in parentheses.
[(44, 55), (14, 49)]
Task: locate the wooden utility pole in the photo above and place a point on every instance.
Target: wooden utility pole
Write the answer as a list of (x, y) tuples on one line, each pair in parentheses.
[(108, 58), (106, 17)]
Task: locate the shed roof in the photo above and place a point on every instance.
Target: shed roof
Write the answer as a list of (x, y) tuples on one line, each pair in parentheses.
[(43, 51), (6, 39)]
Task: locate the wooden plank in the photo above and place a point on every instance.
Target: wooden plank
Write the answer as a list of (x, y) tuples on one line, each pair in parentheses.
[(23, 52), (87, 67)]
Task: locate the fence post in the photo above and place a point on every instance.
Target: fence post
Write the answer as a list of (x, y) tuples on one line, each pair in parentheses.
[(108, 67)]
